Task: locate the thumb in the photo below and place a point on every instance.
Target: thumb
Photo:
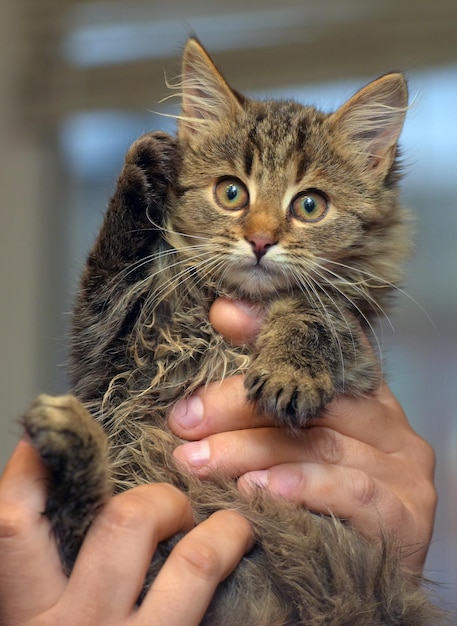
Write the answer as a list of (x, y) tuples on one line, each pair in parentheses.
[(237, 320), (31, 577)]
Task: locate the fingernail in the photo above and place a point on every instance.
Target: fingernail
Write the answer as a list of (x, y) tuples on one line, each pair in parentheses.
[(188, 413), (196, 453)]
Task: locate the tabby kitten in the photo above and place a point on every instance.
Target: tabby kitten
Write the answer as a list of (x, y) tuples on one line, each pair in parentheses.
[(297, 211)]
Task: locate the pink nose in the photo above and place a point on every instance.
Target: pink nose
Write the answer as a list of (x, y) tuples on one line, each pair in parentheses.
[(260, 245)]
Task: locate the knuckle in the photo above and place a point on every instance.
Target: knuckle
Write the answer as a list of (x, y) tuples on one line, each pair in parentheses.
[(429, 495), (427, 455), (420, 453), (200, 559), (234, 520), (364, 489), (14, 522), (126, 512), (135, 508), (328, 446)]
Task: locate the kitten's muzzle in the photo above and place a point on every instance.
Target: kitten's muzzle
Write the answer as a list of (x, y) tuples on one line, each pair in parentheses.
[(260, 245)]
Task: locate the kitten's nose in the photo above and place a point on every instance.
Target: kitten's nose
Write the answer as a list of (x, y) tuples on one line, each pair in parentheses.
[(260, 244)]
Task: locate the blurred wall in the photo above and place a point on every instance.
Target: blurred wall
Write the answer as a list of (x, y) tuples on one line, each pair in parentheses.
[(20, 244)]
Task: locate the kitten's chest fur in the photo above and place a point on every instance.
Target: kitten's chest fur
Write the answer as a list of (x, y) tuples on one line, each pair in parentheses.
[(173, 348)]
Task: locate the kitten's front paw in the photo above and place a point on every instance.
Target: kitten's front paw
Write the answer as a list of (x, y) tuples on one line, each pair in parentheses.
[(151, 167), (292, 396)]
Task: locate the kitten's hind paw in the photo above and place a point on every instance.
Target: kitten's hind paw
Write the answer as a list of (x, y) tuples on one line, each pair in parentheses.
[(73, 448), (67, 438)]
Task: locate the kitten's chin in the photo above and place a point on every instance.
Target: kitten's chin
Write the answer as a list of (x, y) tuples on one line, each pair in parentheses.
[(254, 282)]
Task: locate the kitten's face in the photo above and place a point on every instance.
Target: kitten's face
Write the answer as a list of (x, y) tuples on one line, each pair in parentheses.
[(276, 196), (263, 203)]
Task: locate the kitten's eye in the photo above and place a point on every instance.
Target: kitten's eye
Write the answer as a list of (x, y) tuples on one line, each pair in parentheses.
[(231, 194), (309, 206)]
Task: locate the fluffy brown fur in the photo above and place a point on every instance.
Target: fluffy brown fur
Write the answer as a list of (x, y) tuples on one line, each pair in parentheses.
[(297, 211)]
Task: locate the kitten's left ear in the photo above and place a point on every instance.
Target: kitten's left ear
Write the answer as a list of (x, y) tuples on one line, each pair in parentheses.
[(371, 121), (206, 95)]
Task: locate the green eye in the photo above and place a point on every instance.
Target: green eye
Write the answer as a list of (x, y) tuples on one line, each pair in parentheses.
[(309, 206), (231, 194)]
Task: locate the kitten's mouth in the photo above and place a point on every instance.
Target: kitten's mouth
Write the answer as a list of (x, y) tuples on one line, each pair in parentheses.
[(261, 266), (257, 278)]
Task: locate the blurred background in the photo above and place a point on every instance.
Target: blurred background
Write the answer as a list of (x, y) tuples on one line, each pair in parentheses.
[(80, 81)]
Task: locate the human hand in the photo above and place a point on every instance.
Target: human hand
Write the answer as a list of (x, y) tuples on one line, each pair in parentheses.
[(111, 566), (361, 461)]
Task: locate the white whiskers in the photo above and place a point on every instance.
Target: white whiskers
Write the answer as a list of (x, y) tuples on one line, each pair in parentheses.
[(334, 289)]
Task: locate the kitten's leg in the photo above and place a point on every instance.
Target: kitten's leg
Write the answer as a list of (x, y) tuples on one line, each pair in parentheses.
[(136, 211), (73, 447), (107, 302), (303, 359)]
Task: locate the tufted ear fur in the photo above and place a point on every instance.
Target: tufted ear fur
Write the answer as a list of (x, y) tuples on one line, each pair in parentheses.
[(206, 96), (371, 121)]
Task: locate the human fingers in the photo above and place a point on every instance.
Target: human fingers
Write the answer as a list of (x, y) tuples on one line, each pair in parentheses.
[(372, 506), (369, 418), (237, 320), (377, 425), (380, 423), (377, 419), (350, 493), (218, 407), (252, 450), (185, 585), (328, 471), (31, 578), (118, 550), (237, 452)]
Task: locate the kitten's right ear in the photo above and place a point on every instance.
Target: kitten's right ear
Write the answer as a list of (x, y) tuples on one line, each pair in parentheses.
[(206, 95)]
